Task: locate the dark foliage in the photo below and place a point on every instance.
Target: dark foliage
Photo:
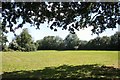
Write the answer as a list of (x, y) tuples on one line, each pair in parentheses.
[(67, 15), (66, 72)]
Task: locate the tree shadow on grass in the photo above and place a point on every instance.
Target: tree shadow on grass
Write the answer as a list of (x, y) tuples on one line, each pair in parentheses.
[(66, 72)]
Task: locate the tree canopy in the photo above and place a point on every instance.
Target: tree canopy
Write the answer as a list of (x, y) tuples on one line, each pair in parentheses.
[(67, 15), (23, 42), (3, 39), (71, 41), (50, 43)]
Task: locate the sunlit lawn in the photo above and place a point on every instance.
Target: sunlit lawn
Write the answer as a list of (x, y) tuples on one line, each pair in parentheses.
[(16, 61)]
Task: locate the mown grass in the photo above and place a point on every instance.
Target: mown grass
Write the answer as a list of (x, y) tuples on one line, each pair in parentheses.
[(16, 61)]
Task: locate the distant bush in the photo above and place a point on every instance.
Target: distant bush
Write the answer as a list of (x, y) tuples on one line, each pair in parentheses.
[(30, 47)]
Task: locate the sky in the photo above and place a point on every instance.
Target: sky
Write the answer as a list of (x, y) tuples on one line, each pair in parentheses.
[(83, 34)]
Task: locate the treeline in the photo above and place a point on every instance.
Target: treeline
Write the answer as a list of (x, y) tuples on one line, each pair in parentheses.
[(24, 42), (72, 42)]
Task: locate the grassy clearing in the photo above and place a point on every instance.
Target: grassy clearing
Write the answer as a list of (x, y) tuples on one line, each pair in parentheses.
[(16, 61)]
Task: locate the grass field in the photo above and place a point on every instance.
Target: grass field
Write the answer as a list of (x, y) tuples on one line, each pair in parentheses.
[(16, 61), (60, 65)]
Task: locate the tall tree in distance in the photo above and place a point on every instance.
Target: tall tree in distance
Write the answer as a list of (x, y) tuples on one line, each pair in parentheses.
[(3, 40), (82, 44), (71, 41), (24, 38), (67, 15), (24, 41), (94, 44), (115, 41), (105, 43), (51, 43)]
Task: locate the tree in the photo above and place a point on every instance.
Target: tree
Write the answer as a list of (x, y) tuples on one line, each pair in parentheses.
[(23, 42), (71, 41), (94, 44), (59, 43), (99, 43), (24, 38), (3, 40), (115, 41), (14, 45), (51, 43), (105, 43), (82, 45), (38, 44), (67, 15)]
